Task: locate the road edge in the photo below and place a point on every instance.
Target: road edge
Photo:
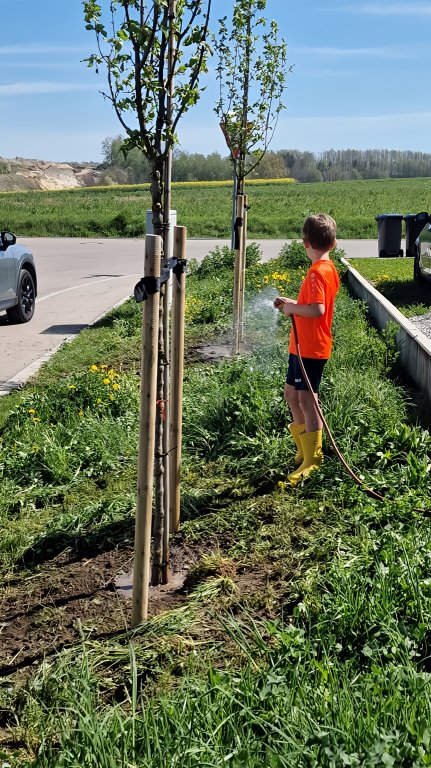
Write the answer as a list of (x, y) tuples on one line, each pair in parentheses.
[(18, 381)]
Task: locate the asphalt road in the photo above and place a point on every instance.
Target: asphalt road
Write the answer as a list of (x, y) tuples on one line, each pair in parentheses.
[(79, 280)]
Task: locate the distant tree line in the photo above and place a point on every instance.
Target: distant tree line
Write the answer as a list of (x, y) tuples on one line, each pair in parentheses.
[(120, 167)]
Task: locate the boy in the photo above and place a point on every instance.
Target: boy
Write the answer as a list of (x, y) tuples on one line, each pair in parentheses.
[(313, 317)]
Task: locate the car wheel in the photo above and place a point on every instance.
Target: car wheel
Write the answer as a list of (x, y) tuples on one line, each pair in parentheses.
[(417, 274), (24, 310)]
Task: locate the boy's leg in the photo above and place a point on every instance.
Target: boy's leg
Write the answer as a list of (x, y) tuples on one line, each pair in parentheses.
[(307, 404), (297, 427), (311, 439), (291, 395)]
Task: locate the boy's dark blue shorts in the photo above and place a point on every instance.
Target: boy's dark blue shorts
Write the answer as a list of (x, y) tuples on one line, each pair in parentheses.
[(314, 368)]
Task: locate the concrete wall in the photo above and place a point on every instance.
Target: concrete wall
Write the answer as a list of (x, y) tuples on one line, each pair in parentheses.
[(414, 347)]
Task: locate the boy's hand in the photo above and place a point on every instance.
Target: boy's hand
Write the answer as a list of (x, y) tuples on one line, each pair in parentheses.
[(286, 306)]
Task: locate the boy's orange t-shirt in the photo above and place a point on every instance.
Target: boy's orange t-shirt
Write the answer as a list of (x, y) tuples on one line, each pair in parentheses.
[(314, 333)]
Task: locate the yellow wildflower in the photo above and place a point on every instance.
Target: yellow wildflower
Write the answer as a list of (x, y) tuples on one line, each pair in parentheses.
[(81, 413), (106, 381), (31, 410), (93, 367), (72, 386), (115, 386), (36, 418)]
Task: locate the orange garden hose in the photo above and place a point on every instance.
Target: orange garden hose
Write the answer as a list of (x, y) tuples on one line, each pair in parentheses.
[(369, 491)]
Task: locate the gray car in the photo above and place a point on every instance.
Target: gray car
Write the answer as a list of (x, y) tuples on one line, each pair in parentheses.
[(18, 281), (422, 264)]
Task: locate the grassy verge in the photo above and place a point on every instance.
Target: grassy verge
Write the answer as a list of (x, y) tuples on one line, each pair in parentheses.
[(277, 209), (393, 278), (304, 638)]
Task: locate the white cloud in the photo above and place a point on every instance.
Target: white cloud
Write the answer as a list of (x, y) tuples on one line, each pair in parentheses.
[(380, 53), (20, 89), (396, 9)]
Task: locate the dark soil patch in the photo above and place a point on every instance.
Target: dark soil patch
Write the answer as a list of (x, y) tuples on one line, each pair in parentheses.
[(52, 607)]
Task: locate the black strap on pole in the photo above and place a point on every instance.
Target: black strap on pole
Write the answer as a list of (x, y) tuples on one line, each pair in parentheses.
[(239, 222), (179, 268), (147, 286)]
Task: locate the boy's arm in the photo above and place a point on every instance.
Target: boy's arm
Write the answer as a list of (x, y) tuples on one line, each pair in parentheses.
[(290, 307)]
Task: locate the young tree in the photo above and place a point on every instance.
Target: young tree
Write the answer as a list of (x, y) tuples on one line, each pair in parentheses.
[(150, 84), (251, 73), (153, 53)]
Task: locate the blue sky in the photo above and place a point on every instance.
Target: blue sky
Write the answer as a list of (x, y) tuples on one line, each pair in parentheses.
[(359, 80)]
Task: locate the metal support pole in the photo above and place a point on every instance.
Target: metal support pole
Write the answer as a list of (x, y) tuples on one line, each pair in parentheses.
[(234, 194), (177, 369), (167, 466), (239, 221), (243, 266), (147, 427)]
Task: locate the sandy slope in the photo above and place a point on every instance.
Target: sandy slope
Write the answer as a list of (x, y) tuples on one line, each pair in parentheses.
[(20, 174)]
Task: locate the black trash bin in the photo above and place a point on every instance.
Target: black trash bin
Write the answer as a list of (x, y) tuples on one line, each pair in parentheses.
[(389, 230), (415, 223)]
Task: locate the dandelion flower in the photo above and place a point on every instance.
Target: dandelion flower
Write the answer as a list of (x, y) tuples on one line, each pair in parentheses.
[(280, 485), (93, 367), (81, 413), (115, 386), (36, 418), (106, 381), (31, 410), (72, 386)]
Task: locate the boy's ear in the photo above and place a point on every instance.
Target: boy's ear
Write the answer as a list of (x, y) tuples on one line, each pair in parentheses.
[(306, 242)]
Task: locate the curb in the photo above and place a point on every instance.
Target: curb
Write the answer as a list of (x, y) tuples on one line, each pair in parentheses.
[(413, 345), (19, 379)]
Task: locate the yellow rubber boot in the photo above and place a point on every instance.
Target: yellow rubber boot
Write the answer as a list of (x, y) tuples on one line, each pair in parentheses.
[(313, 456), (296, 431)]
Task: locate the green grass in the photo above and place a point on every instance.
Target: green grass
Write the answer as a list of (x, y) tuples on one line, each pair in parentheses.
[(277, 210), (305, 639), (393, 278)]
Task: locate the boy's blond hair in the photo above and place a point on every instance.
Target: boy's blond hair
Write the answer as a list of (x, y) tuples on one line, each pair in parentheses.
[(320, 231)]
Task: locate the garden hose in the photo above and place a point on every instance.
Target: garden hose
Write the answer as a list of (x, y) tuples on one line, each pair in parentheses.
[(369, 491)]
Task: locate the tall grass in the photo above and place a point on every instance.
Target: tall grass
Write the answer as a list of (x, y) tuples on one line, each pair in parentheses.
[(323, 664)]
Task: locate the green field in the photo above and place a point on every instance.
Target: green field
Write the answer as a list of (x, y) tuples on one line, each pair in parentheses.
[(393, 278), (277, 209)]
